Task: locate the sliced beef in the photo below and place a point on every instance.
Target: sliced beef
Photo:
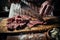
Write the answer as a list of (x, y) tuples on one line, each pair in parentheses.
[(34, 23), (21, 26), (10, 27), (20, 22), (26, 17), (17, 22)]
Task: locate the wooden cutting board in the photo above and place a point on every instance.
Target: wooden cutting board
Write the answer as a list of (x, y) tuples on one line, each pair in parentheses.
[(3, 28)]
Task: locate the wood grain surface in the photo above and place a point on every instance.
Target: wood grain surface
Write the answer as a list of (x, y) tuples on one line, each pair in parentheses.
[(3, 27)]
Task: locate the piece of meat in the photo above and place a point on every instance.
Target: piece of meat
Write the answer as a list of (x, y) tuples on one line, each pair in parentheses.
[(21, 26), (18, 16), (18, 20), (10, 27), (25, 17), (10, 20), (33, 23)]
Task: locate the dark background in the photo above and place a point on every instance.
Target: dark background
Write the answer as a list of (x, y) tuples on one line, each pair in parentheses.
[(57, 8), (5, 3)]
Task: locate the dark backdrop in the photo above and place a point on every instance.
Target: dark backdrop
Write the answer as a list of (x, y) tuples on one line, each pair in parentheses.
[(56, 6)]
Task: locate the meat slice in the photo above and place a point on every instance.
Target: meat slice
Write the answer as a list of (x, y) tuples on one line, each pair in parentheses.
[(25, 17), (21, 26), (10, 20), (36, 22), (10, 27)]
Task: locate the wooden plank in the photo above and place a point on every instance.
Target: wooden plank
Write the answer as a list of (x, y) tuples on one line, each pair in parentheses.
[(3, 28)]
